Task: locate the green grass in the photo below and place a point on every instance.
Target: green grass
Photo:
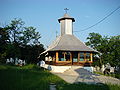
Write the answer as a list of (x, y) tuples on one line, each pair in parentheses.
[(31, 77), (83, 86), (117, 75)]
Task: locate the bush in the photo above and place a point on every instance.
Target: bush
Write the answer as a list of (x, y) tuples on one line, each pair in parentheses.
[(30, 66), (3, 67), (117, 76)]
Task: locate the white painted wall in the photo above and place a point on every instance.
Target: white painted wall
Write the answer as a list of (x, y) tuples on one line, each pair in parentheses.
[(57, 69), (62, 27), (66, 27), (61, 69)]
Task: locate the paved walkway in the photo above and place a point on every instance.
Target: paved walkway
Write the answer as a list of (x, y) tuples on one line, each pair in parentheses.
[(75, 75), (52, 87)]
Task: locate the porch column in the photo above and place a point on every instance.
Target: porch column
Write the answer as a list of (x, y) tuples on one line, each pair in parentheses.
[(71, 57), (91, 57), (78, 56), (56, 56), (64, 55), (85, 57)]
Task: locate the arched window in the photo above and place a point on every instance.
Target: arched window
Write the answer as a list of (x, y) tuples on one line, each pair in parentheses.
[(64, 56)]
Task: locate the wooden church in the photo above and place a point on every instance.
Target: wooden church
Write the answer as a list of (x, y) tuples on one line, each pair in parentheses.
[(68, 50)]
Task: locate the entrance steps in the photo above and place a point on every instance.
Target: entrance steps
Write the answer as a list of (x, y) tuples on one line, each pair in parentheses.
[(72, 71)]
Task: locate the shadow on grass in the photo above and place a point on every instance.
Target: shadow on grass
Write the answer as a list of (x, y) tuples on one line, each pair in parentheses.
[(28, 77), (83, 86)]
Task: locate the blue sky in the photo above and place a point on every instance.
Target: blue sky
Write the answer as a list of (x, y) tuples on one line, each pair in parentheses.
[(44, 14)]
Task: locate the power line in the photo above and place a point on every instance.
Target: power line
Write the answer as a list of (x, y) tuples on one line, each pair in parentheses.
[(100, 20)]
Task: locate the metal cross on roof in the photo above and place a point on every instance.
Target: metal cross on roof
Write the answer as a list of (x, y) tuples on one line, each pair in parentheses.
[(66, 9)]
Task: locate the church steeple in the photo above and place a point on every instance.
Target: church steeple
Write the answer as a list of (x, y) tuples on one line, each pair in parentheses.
[(66, 24)]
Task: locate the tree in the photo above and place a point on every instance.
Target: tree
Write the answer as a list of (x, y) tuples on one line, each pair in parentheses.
[(31, 53), (4, 38), (15, 29), (108, 47), (94, 40), (17, 41), (29, 36), (114, 50)]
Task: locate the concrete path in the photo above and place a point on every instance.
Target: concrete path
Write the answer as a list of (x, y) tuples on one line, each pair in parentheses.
[(78, 74), (52, 87)]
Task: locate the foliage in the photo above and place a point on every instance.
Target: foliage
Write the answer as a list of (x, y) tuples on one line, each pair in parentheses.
[(108, 48), (18, 41), (30, 36), (3, 43), (15, 29)]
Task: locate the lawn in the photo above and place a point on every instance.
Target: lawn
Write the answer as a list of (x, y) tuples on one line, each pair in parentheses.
[(116, 75), (31, 77)]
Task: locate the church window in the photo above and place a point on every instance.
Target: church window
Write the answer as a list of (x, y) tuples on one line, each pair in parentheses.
[(88, 57), (67, 56), (81, 56), (64, 56), (61, 56)]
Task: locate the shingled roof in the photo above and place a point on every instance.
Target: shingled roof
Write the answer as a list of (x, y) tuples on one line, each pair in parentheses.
[(68, 43)]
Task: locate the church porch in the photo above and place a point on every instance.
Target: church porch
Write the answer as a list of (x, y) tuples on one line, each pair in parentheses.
[(68, 58)]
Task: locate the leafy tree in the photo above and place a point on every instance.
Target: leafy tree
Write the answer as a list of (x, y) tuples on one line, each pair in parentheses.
[(4, 38), (114, 50), (32, 55), (30, 36), (15, 29), (94, 40), (17, 41), (108, 48)]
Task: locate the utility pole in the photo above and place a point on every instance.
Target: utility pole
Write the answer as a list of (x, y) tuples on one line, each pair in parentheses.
[(56, 33)]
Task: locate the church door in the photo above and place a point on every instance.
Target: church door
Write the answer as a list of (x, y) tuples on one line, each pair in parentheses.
[(75, 58)]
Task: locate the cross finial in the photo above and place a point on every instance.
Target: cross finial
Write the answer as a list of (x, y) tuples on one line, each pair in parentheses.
[(66, 9)]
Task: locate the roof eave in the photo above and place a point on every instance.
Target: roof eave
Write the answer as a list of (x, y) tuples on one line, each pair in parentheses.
[(73, 20)]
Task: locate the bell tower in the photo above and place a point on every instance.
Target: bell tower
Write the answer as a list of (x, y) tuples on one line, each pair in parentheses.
[(66, 24)]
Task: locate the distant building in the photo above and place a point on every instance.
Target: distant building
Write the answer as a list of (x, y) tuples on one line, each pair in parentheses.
[(67, 49)]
